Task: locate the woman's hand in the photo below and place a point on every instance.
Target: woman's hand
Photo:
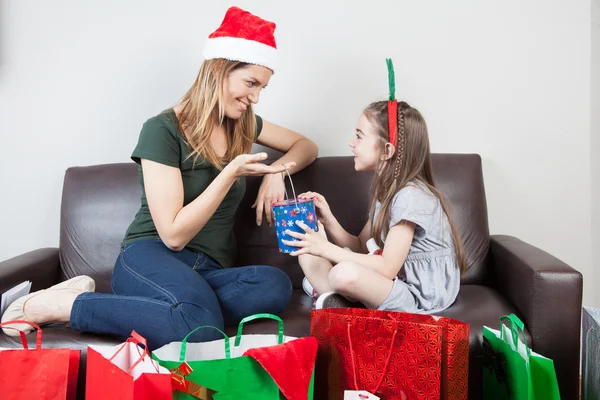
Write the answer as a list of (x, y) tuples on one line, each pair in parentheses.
[(324, 213), (310, 242), (272, 187), (271, 190), (249, 165)]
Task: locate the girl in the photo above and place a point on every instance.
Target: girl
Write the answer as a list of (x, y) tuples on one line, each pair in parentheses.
[(422, 259), (174, 272)]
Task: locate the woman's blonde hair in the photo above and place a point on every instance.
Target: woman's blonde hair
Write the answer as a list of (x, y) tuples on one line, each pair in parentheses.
[(411, 163), (204, 110)]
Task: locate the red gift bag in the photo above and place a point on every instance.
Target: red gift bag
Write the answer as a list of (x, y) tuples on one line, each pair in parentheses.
[(389, 354), (41, 374), (126, 372)]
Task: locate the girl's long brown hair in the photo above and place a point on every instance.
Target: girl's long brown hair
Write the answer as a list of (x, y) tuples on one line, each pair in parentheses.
[(411, 163), (204, 110)]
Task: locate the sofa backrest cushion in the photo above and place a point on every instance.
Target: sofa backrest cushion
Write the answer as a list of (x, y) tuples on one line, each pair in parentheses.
[(99, 202)]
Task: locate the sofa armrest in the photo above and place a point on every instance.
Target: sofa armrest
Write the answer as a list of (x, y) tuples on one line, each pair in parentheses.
[(548, 294), (41, 267)]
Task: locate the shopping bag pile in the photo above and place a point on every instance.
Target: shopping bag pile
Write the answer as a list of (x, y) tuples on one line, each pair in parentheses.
[(265, 367)]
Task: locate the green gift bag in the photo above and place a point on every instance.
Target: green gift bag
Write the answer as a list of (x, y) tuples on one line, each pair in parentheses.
[(511, 370), (258, 367)]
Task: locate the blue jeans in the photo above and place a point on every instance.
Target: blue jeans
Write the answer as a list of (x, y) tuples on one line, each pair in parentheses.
[(164, 294)]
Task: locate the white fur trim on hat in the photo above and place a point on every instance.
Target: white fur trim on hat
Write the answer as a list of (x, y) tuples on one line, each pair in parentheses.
[(238, 49)]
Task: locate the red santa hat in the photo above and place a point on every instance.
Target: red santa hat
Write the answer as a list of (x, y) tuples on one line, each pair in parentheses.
[(244, 37)]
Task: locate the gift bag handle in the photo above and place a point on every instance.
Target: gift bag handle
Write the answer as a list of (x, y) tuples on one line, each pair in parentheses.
[(38, 339), (387, 361), (137, 339), (238, 338), (516, 326), (185, 339), (297, 209)]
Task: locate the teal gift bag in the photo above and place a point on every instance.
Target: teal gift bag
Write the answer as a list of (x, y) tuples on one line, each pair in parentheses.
[(511, 370), (590, 368)]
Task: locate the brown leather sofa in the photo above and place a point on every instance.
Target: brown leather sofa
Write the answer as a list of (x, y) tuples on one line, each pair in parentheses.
[(505, 274)]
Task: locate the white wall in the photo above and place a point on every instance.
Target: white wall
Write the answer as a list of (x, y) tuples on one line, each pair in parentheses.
[(506, 79)]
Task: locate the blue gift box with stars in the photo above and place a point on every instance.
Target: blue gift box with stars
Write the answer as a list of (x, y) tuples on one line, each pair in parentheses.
[(286, 214)]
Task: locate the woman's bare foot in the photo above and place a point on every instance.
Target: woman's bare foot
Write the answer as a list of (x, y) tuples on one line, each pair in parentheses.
[(50, 306)]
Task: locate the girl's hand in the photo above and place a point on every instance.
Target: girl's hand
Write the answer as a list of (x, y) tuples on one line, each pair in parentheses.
[(324, 212), (310, 242)]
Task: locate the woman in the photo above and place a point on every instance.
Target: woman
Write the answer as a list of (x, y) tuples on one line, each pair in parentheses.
[(174, 272)]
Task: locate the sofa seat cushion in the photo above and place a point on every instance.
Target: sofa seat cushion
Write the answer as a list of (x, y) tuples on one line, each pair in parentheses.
[(476, 305), (296, 319)]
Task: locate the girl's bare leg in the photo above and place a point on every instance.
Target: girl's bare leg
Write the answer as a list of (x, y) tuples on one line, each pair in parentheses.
[(316, 270), (357, 282)]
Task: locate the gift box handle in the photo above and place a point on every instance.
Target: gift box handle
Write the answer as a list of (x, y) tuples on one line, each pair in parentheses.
[(297, 209), (516, 326), (238, 338), (185, 339), (38, 339)]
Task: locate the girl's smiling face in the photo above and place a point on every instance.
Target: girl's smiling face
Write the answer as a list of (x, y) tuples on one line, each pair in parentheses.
[(367, 146)]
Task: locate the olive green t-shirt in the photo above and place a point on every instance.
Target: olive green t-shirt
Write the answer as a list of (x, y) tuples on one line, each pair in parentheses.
[(161, 142)]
